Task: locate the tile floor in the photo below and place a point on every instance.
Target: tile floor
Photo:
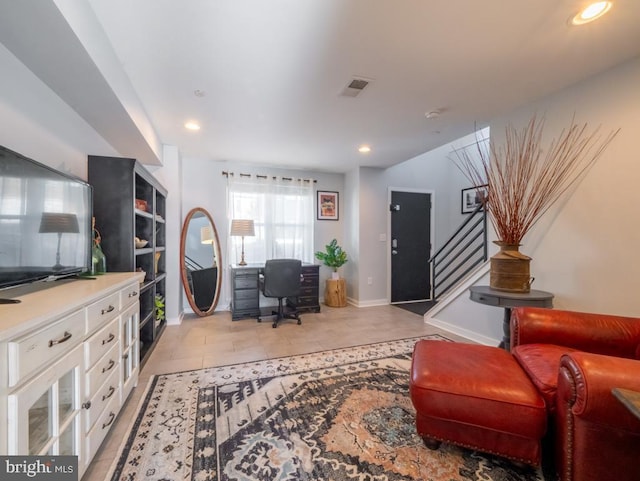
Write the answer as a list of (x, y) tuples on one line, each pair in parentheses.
[(216, 340)]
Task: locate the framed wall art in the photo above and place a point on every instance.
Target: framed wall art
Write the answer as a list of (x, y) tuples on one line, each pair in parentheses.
[(472, 198), (327, 205)]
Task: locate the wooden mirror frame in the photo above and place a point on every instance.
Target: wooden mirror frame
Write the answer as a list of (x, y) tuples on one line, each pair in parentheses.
[(183, 271)]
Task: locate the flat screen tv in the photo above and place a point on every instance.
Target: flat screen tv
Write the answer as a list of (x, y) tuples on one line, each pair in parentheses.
[(45, 222)]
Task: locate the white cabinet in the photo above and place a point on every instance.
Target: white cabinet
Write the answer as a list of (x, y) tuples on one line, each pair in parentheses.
[(44, 414), (72, 359)]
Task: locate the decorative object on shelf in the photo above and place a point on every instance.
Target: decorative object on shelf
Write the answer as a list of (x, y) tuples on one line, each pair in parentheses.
[(328, 208), (141, 204), (159, 306), (58, 223), (242, 228), (156, 259), (524, 178), (140, 243), (98, 259)]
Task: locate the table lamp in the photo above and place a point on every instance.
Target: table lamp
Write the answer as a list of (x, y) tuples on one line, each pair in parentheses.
[(243, 228), (58, 223)]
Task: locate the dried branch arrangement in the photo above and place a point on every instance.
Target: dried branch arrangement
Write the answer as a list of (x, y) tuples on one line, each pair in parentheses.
[(525, 178)]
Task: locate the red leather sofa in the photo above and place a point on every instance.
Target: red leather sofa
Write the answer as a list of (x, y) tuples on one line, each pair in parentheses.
[(575, 359)]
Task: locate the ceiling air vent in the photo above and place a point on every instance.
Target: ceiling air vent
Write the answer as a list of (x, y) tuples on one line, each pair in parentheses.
[(355, 86)]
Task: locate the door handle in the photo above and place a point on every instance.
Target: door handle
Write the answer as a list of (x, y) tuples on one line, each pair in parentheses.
[(394, 252), (394, 243)]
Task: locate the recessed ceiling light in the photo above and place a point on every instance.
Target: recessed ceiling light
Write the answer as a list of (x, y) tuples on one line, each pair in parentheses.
[(364, 149), (192, 125), (591, 13)]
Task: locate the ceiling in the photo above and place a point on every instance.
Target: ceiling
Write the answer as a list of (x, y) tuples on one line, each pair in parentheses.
[(270, 74)]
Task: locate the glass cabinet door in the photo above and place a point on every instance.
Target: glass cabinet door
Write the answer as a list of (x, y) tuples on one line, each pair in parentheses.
[(130, 355), (45, 413)]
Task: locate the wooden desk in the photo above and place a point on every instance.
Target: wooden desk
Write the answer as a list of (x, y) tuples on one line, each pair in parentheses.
[(492, 297), (245, 300), (630, 399)]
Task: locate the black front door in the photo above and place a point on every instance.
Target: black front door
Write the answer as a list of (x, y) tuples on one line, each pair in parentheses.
[(410, 246)]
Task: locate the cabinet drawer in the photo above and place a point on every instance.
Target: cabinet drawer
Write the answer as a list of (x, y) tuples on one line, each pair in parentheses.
[(246, 294), (129, 295), (98, 344), (309, 291), (245, 304), (101, 427), (246, 282), (103, 310), (104, 395), (99, 373), (30, 352)]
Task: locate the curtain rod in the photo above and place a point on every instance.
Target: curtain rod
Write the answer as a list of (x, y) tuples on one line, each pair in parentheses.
[(262, 176)]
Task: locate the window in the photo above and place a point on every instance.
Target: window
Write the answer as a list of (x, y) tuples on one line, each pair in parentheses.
[(282, 212)]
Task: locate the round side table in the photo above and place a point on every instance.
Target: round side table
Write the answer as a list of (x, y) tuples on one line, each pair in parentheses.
[(492, 297)]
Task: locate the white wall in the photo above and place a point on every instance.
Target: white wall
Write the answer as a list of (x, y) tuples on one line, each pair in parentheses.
[(37, 124), (432, 171), (205, 186), (585, 251)]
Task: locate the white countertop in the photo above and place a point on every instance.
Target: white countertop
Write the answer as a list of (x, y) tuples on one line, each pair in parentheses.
[(46, 301)]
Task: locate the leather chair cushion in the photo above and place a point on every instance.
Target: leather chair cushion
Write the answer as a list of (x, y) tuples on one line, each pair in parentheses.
[(541, 362), (475, 385)]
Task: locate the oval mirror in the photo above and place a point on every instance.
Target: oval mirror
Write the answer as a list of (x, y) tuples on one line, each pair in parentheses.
[(200, 260)]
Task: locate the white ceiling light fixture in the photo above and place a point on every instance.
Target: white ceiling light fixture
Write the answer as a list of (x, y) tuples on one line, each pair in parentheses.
[(591, 12), (191, 125), (364, 149)]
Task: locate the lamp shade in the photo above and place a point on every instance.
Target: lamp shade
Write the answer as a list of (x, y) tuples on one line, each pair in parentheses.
[(59, 223), (242, 227), (206, 235)]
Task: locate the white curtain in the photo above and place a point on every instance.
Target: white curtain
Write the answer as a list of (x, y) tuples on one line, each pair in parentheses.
[(283, 215)]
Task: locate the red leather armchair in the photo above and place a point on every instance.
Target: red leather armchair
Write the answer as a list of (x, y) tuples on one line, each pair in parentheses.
[(575, 360)]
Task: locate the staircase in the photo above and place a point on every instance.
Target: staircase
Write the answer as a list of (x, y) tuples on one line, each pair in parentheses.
[(461, 255)]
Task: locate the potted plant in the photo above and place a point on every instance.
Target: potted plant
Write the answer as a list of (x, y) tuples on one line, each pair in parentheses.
[(523, 178), (333, 257)]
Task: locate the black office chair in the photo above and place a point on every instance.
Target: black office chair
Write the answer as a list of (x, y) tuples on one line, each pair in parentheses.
[(281, 278)]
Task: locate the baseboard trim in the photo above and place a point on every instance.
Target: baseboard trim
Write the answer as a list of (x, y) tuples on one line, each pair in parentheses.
[(460, 331), (371, 303)]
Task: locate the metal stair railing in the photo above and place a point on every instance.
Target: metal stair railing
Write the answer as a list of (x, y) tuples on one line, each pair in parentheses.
[(460, 255)]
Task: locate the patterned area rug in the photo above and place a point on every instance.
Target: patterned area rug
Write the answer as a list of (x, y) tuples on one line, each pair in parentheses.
[(336, 416)]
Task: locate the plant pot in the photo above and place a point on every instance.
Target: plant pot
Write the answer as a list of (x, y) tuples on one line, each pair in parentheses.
[(510, 269), (335, 275), (335, 293)]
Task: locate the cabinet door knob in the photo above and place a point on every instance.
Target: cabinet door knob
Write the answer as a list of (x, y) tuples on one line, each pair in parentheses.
[(86, 405), (65, 337), (133, 294)]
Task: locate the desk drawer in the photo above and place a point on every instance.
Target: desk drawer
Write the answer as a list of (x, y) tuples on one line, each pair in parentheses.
[(309, 291), (246, 294), (28, 353), (245, 304), (246, 282)]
